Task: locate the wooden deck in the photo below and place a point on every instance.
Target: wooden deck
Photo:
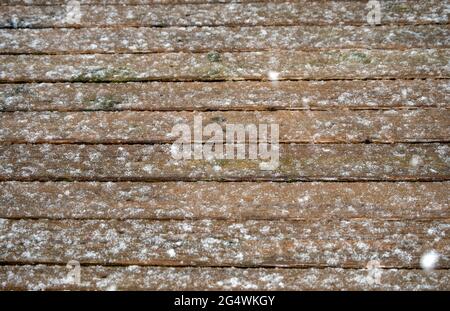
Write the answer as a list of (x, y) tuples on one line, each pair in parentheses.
[(361, 194)]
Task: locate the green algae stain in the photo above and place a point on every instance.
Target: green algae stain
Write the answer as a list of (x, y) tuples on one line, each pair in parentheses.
[(359, 57), (104, 103), (214, 57)]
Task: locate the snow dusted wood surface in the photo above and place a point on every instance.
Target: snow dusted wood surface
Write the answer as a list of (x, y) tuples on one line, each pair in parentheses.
[(305, 162), (86, 171), (295, 126), (54, 277), (223, 39), (236, 95), (226, 201), (301, 243), (292, 13), (214, 66)]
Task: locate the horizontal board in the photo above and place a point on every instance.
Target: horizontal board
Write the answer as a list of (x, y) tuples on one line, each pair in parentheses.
[(236, 95), (311, 243), (155, 162), (213, 66), (215, 200), (43, 277), (231, 39), (126, 2), (294, 126), (284, 13)]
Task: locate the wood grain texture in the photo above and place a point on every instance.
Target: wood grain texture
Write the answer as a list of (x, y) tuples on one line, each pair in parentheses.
[(295, 65), (397, 162), (128, 2), (51, 277), (221, 39), (317, 243), (231, 14), (87, 169), (295, 126), (231, 200), (236, 95)]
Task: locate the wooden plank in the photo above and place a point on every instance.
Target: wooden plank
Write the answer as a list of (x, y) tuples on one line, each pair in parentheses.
[(127, 2), (309, 243), (238, 95), (295, 126), (133, 2), (215, 200), (43, 277), (213, 66), (230, 14), (396, 162), (221, 39)]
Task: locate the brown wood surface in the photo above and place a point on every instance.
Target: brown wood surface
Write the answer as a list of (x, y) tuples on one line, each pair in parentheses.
[(306, 162), (295, 126), (309, 243), (221, 39), (86, 166), (231, 200), (281, 13), (236, 95), (213, 66), (53, 277)]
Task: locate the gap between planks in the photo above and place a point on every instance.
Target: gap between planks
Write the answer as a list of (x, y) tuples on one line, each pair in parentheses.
[(221, 81), (28, 264)]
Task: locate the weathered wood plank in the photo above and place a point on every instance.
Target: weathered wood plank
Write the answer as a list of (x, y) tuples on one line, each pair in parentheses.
[(215, 200), (222, 39), (135, 2), (296, 65), (43, 277), (352, 244), (295, 126), (127, 2), (285, 13), (237, 95), (155, 162)]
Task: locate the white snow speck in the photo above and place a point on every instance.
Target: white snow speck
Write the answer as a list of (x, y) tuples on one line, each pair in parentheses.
[(429, 260), (415, 161), (171, 252), (148, 168), (273, 75)]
